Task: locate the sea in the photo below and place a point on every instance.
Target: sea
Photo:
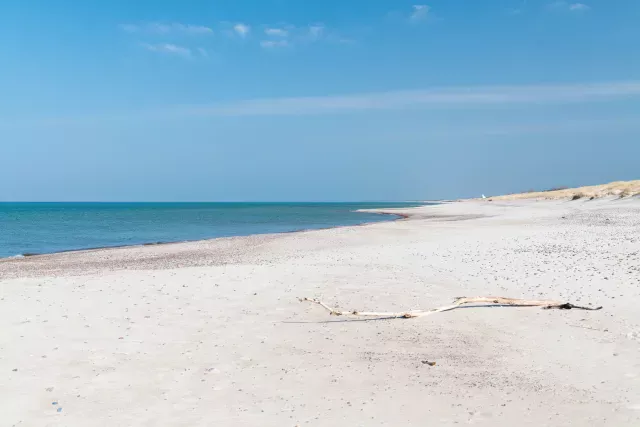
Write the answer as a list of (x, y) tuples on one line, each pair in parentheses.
[(41, 228)]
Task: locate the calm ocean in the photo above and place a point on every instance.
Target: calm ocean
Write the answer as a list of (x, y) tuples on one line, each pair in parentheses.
[(37, 228)]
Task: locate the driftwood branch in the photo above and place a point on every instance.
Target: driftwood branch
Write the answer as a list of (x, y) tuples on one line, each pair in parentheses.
[(459, 302)]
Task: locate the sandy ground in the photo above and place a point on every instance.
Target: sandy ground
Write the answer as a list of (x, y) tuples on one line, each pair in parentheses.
[(211, 333)]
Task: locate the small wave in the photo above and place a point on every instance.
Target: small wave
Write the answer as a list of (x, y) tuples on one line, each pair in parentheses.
[(24, 255)]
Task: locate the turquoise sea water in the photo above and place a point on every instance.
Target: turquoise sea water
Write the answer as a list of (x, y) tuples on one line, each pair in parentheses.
[(36, 228)]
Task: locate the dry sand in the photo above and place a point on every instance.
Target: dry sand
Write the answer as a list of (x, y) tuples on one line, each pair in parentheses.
[(619, 189), (211, 333)]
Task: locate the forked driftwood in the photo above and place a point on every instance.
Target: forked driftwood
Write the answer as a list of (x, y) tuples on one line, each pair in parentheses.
[(459, 302)]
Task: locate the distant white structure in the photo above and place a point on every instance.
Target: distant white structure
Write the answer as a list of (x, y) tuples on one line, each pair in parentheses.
[(484, 197)]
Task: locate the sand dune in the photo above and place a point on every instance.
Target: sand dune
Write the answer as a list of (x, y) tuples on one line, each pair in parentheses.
[(614, 189)]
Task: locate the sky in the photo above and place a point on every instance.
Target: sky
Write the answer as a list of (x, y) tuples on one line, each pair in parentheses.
[(305, 100)]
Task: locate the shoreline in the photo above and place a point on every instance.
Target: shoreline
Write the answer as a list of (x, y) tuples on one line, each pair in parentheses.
[(212, 332), (161, 243)]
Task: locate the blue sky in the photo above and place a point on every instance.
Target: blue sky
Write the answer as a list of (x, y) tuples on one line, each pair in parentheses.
[(315, 100)]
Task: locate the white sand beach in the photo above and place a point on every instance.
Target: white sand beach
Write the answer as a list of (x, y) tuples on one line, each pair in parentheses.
[(211, 333)]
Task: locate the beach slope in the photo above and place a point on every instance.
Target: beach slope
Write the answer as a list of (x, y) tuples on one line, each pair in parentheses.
[(212, 333)]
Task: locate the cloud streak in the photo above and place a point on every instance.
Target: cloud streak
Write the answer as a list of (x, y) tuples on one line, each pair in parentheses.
[(276, 32), (164, 29), (466, 97), (438, 98), (290, 35), (571, 7), (271, 44), (578, 7), (420, 12), (168, 48), (273, 36)]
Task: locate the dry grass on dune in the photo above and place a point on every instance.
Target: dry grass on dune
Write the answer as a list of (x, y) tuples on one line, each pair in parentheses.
[(616, 189)]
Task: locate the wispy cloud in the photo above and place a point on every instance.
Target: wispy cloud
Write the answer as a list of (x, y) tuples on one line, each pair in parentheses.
[(291, 35), (579, 7), (271, 44), (272, 36), (162, 28), (466, 97), (572, 7), (471, 97), (315, 33), (420, 12), (241, 29), (276, 32), (168, 48)]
